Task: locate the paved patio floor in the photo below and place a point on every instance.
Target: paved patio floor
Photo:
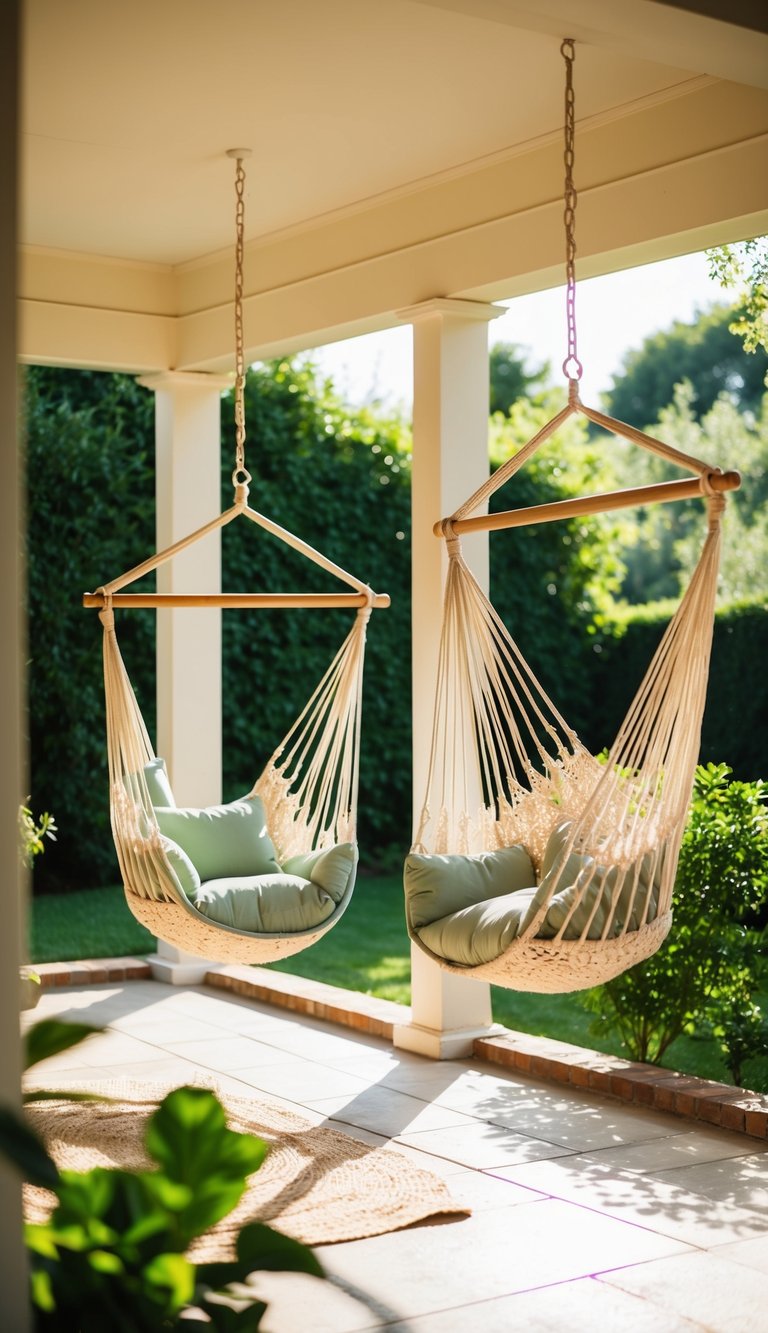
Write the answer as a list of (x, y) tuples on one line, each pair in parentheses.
[(585, 1214)]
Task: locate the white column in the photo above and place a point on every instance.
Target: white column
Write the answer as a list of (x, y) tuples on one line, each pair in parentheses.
[(14, 1292), (187, 495), (450, 460)]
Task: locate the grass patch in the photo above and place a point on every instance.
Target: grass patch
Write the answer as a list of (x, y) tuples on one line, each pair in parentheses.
[(368, 951), (89, 923)]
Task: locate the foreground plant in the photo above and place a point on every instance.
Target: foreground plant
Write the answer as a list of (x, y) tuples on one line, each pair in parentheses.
[(706, 974), (113, 1253)]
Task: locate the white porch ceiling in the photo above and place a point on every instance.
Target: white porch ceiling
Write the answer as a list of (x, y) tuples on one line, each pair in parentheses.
[(402, 149)]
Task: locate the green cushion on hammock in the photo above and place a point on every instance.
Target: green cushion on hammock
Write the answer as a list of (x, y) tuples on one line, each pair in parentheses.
[(187, 878), (222, 841), (158, 786), (436, 886), (628, 888), (480, 933), (332, 869), (274, 903)]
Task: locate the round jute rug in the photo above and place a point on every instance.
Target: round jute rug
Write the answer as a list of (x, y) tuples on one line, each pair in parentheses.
[(316, 1184)]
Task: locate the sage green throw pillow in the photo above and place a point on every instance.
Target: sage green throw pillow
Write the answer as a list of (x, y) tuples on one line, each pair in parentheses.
[(158, 786), (187, 878), (275, 904), (436, 885), (612, 895), (222, 841), (333, 869), (480, 933)]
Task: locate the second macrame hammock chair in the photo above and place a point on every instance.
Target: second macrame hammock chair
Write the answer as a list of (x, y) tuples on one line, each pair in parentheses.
[(308, 787), (593, 846)]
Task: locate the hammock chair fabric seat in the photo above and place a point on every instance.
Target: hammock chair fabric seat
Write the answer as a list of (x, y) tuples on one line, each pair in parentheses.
[(226, 866), (537, 865), (482, 931)]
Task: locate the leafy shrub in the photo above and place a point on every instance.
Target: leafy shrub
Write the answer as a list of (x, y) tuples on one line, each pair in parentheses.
[(707, 972), (113, 1253)]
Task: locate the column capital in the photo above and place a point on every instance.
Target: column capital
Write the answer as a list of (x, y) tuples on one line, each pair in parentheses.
[(450, 307), (185, 379)]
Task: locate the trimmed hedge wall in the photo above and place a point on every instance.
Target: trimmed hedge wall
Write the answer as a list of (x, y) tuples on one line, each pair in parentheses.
[(735, 730), (342, 482)]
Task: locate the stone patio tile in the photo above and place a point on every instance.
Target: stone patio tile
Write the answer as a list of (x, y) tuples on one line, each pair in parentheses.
[(300, 1304), (682, 1149), (582, 1306), (226, 1053), (645, 1200), (741, 1181), (300, 1081), (481, 1146), (723, 1296), (493, 1253), (388, 1112), (162, 1029), (752, 1253)]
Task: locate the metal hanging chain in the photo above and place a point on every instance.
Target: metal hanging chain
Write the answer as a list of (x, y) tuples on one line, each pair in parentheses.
[(572, 367), (241, 475)]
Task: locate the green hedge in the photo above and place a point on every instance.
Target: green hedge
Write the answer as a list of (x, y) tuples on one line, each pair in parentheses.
[(340, 480), (734, 727)]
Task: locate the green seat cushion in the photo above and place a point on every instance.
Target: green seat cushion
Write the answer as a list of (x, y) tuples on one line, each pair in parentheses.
[(222, 841), (187, 878), (612, 895), (332, 869), (158, 786), (277, 904), (480, 933), (438, 885)]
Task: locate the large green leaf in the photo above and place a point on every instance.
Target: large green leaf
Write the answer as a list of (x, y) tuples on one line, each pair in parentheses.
[(24, 1150), (51, 1037), (262, 1248)]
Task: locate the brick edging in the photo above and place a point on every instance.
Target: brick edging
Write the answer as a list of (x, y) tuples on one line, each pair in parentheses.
[(543, 1058)]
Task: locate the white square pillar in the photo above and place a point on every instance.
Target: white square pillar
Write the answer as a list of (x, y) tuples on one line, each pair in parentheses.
[(188, 495), (450, 460)]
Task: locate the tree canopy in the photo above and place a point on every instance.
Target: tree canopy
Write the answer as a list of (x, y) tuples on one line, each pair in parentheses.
[(511, 376), (706, 353)]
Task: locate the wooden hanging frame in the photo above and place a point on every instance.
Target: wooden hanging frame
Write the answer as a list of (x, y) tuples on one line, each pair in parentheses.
[(707, 480), (110, 594)]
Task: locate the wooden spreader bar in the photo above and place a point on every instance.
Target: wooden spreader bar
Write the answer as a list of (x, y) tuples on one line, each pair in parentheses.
[(265, 600), (660, 493)]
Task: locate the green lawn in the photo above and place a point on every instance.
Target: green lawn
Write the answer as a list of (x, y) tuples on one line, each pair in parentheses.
[(367, 951)]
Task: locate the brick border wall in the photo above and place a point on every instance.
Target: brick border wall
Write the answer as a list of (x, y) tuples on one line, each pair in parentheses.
[(542, 1058)]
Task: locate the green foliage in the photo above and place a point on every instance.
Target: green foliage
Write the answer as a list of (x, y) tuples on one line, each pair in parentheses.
[(737, 697), (341, 481), (705, 972), (113, 1252), (704, 352), (33, 834), (746, 264), (551, 582), (665, 541), (511, 379), (90, 483)]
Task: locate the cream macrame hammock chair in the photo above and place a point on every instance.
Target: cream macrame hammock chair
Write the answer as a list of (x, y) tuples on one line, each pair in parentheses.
[(309, 785), (585, 890)]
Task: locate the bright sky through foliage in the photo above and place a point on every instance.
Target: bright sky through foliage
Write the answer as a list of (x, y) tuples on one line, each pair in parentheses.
[(614, 314)]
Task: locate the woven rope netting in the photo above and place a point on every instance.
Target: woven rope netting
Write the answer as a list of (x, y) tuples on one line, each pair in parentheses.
[(506, 768), (309, 785)]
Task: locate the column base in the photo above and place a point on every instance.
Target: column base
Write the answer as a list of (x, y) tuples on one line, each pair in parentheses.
[(441, 1045), (176, 968)]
